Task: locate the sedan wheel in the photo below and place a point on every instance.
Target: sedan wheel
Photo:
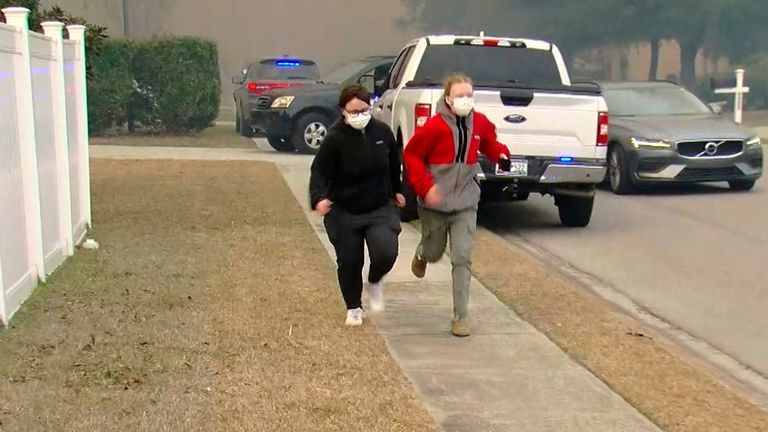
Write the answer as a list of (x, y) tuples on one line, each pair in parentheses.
[(618, 171)]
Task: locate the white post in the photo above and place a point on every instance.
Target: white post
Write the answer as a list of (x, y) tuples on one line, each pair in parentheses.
[(738, 101), (3, 313), (738, 95), (22, 71), (77, 33), (55, 30)]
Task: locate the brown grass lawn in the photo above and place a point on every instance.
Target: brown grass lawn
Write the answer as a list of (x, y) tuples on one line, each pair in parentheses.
[(219, 136), (670, 390), (210, 306)]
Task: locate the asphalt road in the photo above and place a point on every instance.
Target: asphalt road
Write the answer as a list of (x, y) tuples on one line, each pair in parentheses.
[(696, 257)]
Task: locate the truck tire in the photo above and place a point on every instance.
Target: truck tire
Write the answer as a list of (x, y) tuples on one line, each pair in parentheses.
[(280, 144), (575, 212), (311, 129), (245, 129)]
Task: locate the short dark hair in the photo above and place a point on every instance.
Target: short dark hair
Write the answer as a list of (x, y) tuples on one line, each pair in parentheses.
[(353, 91)]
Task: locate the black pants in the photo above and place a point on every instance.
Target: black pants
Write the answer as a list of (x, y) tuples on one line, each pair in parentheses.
[(379, 229)]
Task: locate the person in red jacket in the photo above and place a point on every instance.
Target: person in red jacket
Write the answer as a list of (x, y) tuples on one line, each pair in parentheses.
[(441, 164)]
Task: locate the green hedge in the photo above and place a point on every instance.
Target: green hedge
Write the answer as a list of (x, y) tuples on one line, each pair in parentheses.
[(161, 85)]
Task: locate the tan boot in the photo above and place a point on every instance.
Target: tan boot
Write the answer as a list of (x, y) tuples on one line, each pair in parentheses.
[(460, 327), (419, 266)]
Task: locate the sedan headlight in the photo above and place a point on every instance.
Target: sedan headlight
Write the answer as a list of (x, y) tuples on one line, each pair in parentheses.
[(283, 102), (650, 143), (754, 142)]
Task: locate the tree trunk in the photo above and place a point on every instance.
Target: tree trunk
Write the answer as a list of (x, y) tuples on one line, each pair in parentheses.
[(653, 71), (688, 53)]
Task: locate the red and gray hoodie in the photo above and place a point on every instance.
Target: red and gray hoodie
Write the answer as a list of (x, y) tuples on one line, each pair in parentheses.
[(445, 152)]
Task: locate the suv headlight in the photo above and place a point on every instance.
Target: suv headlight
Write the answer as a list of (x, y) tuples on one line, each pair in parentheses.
[(650, 143), (754, 142), (282, 102)]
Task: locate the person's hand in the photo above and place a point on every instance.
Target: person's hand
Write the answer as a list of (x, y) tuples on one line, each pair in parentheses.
[(434, 196), (503, 156), (400, 200), (323, 207)]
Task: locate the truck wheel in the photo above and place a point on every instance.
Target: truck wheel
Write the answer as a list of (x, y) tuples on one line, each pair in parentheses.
[(311, 130), (574, 212), (280, 144), (742, 185), (245, 129), (619, 176)]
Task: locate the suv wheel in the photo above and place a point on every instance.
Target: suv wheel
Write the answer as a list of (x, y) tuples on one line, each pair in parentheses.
[(619, 176), (742, 185), (245, 129), (310, 132), (574, 212)]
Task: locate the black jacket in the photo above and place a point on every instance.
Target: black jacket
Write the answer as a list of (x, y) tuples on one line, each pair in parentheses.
[(359, 171)]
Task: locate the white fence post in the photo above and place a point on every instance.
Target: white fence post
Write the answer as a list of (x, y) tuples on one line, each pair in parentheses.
[(3, 311), (56, 31), (22, 70), (77, 33)]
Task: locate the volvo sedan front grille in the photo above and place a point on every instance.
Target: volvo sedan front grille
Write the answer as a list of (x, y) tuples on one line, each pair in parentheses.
[(710, 148)]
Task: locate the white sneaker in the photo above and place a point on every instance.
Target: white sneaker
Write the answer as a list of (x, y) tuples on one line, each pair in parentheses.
[(376, 296), (355, 317)]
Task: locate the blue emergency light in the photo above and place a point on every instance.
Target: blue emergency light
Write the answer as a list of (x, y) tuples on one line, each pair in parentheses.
[(288, 63), (566, 159)]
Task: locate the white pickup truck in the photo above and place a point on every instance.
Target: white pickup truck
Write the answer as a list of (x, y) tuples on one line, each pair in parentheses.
[(556, 132)]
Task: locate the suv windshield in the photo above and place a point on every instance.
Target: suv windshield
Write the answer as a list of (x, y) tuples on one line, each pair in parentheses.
[(345, 72), (488, 64), (653, 101), (283, 69)]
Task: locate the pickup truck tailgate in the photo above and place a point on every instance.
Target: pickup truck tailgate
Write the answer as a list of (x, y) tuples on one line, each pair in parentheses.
[(534, 123)]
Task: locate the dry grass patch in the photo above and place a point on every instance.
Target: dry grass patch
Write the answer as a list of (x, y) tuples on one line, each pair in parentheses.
[(210, 306), (671, 392), (219, 136)]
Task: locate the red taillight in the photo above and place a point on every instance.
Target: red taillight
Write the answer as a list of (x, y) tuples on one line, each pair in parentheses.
[(261, 87), (602, 129), (422, 112)]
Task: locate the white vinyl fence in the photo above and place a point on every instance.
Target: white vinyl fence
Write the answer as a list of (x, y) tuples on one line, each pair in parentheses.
[(45, 204)]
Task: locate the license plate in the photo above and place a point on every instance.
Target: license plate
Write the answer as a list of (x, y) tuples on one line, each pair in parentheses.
[(517, 168)]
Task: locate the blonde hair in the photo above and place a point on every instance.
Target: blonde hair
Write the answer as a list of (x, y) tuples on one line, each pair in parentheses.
[(453, 79)]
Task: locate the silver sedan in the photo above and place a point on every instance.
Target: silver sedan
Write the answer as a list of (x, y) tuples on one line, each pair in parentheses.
[(660, 132)]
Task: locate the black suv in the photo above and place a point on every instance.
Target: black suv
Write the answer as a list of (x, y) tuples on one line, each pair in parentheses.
[(264, 75), (298, 118)]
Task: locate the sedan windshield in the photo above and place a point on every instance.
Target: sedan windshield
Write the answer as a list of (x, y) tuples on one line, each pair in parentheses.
[(653, 101)]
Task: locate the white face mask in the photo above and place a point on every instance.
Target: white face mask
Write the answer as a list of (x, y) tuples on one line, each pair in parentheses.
[(462, 106), (358, 121)]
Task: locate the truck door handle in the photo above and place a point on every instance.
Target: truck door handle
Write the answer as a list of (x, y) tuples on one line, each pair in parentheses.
[(389, 106)]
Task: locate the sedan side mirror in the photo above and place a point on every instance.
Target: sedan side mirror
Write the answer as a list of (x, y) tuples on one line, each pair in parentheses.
[(717, 107)]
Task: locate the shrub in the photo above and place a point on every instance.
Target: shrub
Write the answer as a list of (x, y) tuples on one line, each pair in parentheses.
[(162, 85), (111, 86), (180, 79)]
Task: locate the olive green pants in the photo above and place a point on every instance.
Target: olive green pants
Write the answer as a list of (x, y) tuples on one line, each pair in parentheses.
[(458, 228)]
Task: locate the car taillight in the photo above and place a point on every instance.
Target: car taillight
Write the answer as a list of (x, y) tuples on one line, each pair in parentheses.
[(422, 112), (260, 87), (602, 129)]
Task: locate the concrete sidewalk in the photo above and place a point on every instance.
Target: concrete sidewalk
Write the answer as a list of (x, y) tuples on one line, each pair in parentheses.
[(505, 377)]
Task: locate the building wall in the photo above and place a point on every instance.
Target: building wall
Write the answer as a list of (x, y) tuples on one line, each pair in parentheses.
[(331, 31)]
